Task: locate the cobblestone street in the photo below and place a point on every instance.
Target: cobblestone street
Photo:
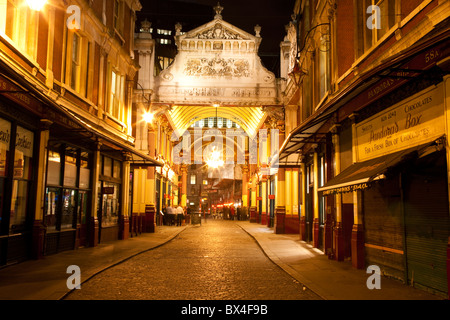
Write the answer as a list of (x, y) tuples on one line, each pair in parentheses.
[(215, 261)]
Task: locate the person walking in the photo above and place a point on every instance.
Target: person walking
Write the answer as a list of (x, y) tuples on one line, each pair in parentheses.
[(164, 215)]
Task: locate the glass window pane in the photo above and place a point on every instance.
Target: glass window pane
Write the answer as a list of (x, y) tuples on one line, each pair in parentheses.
[(107, 167), (5, 136), (116, 173), (68, 208), (2, 190), (52, 196), (18, 205), (85, 176), (70, 167), (54, 168), (23, 153), (82, 207), (110, 205)]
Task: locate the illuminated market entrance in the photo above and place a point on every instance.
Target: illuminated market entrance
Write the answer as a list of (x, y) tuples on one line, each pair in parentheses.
[(220, 108)]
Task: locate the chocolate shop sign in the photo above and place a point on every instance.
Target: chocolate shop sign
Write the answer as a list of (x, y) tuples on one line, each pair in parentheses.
[(410, 123)]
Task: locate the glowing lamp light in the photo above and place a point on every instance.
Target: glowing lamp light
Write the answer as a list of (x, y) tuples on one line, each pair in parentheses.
[(148, 117), (214, 160), (36, 5)]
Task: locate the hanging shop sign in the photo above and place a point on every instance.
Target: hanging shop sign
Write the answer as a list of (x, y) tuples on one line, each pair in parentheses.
[(410, 123), (19, 95), (108, 190), (345, 189)]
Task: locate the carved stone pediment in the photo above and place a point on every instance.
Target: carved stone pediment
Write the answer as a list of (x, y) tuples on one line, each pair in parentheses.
[(218, 32)]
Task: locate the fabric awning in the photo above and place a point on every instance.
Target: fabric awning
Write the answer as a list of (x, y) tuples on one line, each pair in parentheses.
[(359, 175)]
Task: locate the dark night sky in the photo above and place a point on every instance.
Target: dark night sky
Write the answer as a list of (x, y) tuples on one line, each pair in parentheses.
[(271, 15)]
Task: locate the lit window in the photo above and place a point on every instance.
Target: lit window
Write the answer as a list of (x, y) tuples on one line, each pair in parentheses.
[(116, 95), (75, 62), (20, 24), (193, 179), (383, 18), (164, 32), (118, 15), (164, 41)]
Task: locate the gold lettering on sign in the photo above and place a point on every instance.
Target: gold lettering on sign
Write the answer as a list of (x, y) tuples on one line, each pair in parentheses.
[(410, 123)]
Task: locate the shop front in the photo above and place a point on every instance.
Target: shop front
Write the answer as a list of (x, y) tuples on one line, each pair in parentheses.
[(17, 183), (67, 196), (20, 144), (399, 186)]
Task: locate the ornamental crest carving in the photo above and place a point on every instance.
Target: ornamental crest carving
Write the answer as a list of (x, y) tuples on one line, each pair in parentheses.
[(219, 32), (217, 67)]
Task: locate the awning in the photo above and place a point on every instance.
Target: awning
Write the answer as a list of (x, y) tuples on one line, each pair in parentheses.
[(97, 133), (359, 175), (311, 131)]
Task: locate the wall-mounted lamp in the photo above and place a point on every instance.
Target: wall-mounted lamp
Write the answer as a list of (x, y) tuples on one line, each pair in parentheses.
[(296, 74)]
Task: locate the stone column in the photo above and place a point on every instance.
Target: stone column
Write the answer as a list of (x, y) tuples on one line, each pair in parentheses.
[(358, 259), (288, 191), (303, 206), (358, 228), (280, 203), (124, 219), (93, 226), (264, 202), (183, 186), (338, 231), (316, 226), (253, 203), (245, 190), (38, 232), (295, 200)]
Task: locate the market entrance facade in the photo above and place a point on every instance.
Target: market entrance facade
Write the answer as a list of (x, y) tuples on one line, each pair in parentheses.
[(219, 109)]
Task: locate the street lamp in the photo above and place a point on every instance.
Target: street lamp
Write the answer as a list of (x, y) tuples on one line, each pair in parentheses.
[(215, 160), (36, 5), (148, 117)]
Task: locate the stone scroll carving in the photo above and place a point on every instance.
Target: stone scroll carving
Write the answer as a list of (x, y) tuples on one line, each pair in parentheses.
[(217, 67)]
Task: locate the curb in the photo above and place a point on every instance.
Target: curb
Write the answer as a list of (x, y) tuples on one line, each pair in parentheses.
[(102, 269), (285, 267)]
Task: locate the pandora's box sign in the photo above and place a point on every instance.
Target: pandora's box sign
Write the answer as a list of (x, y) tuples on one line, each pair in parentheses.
[(408, 124)]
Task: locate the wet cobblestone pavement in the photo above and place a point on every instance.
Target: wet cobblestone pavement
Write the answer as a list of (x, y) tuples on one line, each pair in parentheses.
[(215, 261)]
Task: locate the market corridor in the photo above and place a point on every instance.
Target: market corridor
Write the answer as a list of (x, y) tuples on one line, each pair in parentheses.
[(214, 261)]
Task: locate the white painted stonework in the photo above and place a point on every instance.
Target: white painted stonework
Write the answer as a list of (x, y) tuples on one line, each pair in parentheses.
[(217, 63)]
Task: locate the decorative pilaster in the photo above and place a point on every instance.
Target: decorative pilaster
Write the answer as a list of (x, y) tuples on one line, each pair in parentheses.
[(316, 226), (280, 204), (358, 258), (303, 205), (183, 185), (38, 232), (93, 226), (339, 250)]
